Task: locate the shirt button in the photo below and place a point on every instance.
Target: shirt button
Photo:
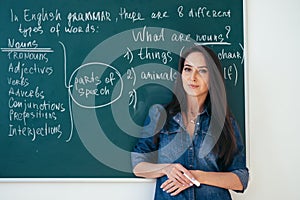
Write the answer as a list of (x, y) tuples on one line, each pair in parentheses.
[(191, 166), (191, 148)]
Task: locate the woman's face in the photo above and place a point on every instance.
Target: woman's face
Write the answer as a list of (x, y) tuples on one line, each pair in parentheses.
[(195, 75)]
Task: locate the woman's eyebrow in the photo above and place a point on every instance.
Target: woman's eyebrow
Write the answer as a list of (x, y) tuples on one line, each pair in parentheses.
[(189, 65)]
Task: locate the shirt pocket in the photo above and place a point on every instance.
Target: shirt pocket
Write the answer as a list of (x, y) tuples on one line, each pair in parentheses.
[(172, 146), (206, 157)]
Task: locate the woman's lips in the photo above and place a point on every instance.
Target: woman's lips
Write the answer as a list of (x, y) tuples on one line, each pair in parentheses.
[(193, 86)]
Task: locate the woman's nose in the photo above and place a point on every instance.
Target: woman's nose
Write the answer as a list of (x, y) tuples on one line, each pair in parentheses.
[(194, 75)]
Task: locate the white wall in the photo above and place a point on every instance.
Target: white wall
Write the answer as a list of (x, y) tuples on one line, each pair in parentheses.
[(274, 104), (274, 99)]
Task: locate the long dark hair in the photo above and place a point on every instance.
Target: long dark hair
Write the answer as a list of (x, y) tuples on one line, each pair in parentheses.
[(216, 103)]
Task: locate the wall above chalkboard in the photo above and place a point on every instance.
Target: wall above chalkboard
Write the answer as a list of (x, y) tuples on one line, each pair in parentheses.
[(78, 77)]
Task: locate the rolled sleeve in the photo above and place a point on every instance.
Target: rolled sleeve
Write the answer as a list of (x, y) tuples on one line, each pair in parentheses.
[(238, 165), (243, 175), (145, 149), (136, 158)]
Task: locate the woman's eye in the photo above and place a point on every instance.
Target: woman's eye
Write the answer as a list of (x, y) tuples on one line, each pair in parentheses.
[(203, 71), (187, 69)]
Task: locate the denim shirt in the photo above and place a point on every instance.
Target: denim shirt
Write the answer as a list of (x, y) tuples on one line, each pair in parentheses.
[(176, 146)]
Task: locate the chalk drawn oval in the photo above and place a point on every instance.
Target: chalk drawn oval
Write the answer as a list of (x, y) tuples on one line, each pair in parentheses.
[(91, 85)]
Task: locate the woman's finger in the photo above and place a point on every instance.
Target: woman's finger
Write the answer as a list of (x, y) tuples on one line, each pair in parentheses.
[(175, 173), (167, 182), (168, 186), (172, 189), (184, 180), (180, 170), (176, 192)]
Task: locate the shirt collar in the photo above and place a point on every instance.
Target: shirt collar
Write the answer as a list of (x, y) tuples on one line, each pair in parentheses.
[(179, 120)]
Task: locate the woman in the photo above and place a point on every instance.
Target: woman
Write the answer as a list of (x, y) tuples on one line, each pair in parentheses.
[(195, 136)]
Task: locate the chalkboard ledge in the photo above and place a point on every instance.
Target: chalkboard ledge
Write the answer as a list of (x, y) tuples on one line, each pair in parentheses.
[(76, 180)]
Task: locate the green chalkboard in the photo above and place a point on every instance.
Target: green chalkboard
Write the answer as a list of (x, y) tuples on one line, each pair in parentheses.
[(77, 77)]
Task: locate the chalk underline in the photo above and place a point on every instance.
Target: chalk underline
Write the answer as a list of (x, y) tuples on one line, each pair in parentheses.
[(212, 43), (35, 50)]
